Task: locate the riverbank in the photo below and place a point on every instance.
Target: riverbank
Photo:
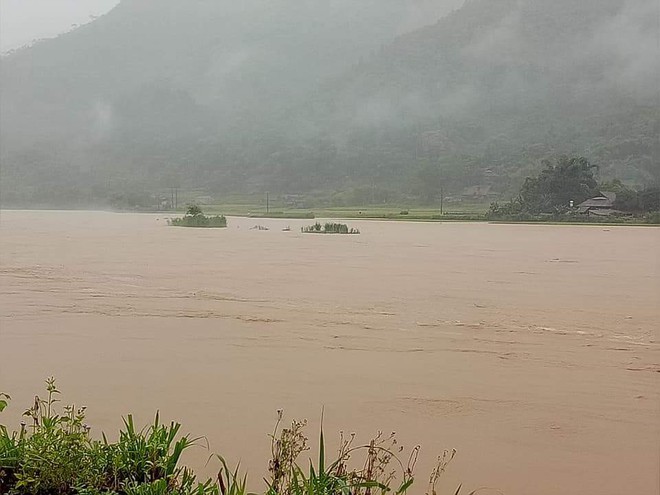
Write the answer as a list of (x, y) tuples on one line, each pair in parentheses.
[(378, 214), (472, 213)]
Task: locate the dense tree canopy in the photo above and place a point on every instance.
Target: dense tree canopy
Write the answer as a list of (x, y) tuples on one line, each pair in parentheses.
[(568, 180)]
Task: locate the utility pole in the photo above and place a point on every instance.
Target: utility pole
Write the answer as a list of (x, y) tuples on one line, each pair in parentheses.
[(267, 203), (442, 199)]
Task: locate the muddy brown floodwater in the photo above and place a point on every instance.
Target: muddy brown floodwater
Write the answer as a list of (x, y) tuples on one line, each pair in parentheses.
[(532, 350)]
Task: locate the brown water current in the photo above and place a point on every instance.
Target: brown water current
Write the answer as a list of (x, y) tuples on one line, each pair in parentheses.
[(532, 350)]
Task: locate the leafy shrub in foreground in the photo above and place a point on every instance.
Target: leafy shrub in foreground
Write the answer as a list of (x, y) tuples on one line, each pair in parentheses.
[(55, 455)]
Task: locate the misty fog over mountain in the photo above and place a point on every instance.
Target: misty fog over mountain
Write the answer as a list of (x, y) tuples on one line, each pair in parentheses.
[(330, 99), (329, 247)]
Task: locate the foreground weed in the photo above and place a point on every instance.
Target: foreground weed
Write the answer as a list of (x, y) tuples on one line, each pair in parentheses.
[(56, 451), (229, 482), (147, 455), (9, 450), (380, 472), (54, 454)]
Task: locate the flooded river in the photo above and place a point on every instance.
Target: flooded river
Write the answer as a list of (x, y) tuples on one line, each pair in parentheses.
[(532, 350)]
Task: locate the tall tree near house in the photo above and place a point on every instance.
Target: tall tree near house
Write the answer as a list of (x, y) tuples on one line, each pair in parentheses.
[(568, 179)]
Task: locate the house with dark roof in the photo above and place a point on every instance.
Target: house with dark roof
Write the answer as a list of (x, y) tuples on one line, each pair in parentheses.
[(601, 205)]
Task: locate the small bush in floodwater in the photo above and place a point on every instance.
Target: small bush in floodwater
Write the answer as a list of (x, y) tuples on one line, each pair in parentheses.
[(329, 228), (195, 218)]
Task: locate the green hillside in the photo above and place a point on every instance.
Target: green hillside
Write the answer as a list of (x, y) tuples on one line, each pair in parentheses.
[(328, 99)]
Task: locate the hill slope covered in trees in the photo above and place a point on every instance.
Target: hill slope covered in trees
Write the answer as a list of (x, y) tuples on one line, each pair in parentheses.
[(330, 98)]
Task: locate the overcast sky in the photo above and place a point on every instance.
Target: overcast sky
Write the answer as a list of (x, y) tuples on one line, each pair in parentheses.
[(22, 21)]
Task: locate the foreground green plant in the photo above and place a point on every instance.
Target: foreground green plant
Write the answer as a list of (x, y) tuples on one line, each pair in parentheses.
[(55, 449), (54, 454), (377, 475)]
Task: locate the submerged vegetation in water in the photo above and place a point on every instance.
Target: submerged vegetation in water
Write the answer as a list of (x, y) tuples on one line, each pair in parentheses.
[(195, 218), (53, 453), (329, 228)]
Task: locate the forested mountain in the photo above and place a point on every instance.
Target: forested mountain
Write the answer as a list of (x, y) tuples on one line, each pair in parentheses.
[(485, 94), (330, 98)]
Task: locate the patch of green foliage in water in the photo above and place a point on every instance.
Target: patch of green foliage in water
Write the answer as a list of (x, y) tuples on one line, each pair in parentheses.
[(195, 217), (329, 228)]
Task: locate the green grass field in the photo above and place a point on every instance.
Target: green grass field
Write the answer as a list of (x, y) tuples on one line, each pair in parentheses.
[(391, 212), (462, 211)]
